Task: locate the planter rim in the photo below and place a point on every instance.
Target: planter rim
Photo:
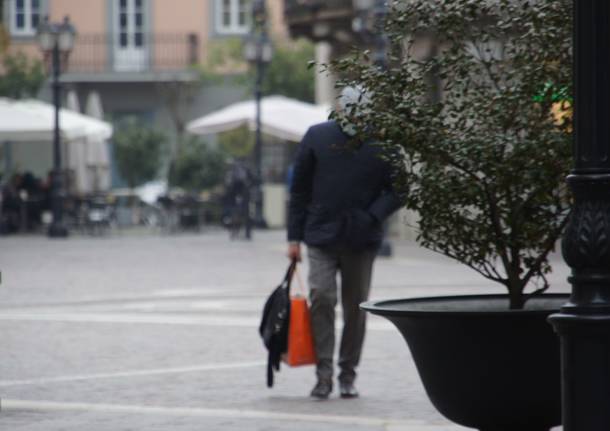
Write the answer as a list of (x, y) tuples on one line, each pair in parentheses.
[(389, 307)]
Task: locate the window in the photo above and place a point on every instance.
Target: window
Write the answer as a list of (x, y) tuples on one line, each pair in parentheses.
[(25, 17), (130, 51), (232, 16), (131, 23)]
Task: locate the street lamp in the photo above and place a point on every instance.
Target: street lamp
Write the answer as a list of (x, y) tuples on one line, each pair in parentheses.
[(380, 42), (258, 51), (584, 322), (56, 40), (370, 16)]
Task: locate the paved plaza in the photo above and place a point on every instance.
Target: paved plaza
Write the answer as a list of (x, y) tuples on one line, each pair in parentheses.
[(152, 332)]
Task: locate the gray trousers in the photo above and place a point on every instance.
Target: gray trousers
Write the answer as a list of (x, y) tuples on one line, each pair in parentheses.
[(355, 268)]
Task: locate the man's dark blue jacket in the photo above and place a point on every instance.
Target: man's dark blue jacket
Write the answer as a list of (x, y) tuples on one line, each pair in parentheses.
[(341, 192)]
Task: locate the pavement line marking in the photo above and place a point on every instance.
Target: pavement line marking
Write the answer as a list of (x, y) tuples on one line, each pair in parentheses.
[(202, 292), (151, 372), (157, 318), (52, 406)]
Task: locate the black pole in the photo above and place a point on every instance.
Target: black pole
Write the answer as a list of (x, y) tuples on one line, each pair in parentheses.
[(259, 37), (259, 219), (57, 228), (584, 322), (380, 40), (380, 58)]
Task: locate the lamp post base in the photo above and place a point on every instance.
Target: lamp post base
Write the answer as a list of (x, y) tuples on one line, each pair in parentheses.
[(57, 230), (584, 351), (385, 250), (259, 222)]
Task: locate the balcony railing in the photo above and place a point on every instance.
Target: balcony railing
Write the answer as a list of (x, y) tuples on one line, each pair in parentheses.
[(318, 19), (103, 53)]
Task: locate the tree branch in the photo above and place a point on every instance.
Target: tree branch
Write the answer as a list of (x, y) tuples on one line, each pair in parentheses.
[(484, 273), (495, 222), (492, 269), (539, 291), (542, 257)]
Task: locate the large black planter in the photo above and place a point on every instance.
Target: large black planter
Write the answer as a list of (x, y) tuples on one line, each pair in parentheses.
[(484, 366)]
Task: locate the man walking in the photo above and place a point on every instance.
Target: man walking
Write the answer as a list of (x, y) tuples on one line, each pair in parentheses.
[(340, 195), (237, 185)]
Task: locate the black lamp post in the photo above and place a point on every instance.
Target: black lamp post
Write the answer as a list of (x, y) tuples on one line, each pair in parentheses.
[(584, 322), (258, 51), (56, 40), (380, 40), (370, 16)]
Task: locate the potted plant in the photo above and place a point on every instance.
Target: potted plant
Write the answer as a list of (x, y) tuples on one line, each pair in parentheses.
[(473, 110)]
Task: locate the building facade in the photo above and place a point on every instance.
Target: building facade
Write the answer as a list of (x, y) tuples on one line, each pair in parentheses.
[(118, 36), (142, 58)]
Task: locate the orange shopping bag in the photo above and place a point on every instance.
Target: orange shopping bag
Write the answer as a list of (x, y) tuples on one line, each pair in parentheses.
[(301, 350), (300, 340)]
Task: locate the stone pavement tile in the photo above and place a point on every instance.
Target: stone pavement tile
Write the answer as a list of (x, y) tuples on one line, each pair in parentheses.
[(49, 416), (151, 319), (47, 349), (390, 389), (425, 427), (125, 266)]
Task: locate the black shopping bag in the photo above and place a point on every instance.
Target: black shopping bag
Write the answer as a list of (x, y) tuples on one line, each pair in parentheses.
[(274, 324)]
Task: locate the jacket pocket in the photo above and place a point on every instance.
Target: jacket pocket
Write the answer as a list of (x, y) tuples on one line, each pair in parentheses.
[(361, 229), (321, 227)]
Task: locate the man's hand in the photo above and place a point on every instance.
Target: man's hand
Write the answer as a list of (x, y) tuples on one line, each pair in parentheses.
[(294, 251)]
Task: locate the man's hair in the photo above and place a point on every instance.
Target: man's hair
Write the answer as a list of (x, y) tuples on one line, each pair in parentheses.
[(351, 97)]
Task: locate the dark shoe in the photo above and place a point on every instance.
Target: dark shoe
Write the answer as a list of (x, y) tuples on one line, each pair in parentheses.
[(348, 390), (322, 389)]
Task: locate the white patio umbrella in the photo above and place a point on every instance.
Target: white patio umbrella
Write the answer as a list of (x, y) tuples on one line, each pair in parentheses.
[(72, 102), (73, 125), (98, 154), (17, 124), (281, 117), (98, 151), (93, 107), (33, 120)]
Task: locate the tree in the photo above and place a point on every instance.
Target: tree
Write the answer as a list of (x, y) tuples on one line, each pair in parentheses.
[(178, 95), (484, 161), (4, 36), (179, 92), (21, 77), (198, 167), (138, 150), (225, 58), (238, 143), (288, 73)]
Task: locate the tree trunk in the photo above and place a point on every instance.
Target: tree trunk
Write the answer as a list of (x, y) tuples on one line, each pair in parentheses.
[(515, 292)]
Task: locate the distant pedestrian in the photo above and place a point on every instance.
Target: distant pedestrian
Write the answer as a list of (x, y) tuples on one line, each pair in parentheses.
[(289, 175), (238, 183), (12, 205), (339, 198)]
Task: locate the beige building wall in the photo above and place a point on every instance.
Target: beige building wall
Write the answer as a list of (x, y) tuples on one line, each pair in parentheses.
[(183, 16), (91, 22), (168, 17), (28, 47), (190, 17), (277, 23), (88, 16)]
